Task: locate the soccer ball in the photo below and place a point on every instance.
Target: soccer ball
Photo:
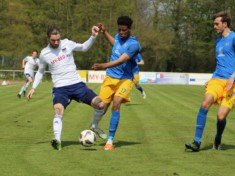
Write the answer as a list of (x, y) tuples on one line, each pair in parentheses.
[(87, 138)]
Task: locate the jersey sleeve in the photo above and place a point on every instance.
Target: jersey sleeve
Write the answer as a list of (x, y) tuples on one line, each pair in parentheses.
[(139, 57), (37, 61), (82, 46), (26, 59), (133, 50), (234, 43), (40, 72)]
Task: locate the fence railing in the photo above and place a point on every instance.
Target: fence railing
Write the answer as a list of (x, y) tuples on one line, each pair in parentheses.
[(145, 77), (17, 75)]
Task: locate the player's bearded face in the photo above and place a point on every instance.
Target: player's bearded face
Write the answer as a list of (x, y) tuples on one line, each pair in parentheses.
[(54, 41), (219, 26), (124, 31)]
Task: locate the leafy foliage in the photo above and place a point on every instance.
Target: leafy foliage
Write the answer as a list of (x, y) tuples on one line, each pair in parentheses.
[(175, 35)]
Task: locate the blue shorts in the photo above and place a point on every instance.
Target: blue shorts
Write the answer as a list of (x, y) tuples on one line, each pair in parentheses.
[(27, 76), (78, 92)]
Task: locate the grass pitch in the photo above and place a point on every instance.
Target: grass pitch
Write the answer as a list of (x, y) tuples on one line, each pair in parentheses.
[(149, 141)]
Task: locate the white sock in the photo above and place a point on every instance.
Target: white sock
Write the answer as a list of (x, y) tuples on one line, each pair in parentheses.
[(26, 86), (110, 141), (21, 90), (57, 126), (97, 117)]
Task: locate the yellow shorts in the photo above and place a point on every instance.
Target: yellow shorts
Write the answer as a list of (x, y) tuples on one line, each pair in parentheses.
[(136, 80), (115, 87), (216, 87)]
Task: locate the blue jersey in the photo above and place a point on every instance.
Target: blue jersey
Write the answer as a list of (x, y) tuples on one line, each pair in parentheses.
[(225, 56), (131, 47), (136, 69)]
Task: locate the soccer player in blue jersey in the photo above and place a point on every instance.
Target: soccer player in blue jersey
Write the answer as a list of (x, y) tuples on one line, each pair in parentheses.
[(136, 79), (220, 88), (118, 81)]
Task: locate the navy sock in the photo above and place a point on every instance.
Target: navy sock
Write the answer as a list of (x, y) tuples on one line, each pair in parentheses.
[(114, 120), (140, 89), (220, 129), (201, 122)]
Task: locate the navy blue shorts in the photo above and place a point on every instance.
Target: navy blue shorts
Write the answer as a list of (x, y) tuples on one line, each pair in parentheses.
[(78, 92)]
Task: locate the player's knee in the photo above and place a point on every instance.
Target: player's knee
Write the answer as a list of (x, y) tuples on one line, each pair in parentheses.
[(220, 117), (206, 104), (58, 109), (97, 103), (116, 106)]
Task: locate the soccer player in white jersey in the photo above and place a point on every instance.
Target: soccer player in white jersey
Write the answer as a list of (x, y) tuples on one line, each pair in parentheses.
[(68, 86), (29, 64)]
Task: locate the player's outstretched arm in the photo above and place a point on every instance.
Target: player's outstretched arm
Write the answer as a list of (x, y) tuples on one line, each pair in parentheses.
[(23, 63), (100, 66), (37, 80), (95, 31), (106, 34)]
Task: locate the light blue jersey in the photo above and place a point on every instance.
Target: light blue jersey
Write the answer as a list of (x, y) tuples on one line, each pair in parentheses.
[(131, 47), (136, 69), (225, 56)]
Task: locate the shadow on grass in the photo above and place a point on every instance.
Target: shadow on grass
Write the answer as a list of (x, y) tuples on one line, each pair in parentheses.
[(117, 144), (208, 147), (132, 104), (64, 143), (122, 143), (68, 143), (228, 147), (224, 147)]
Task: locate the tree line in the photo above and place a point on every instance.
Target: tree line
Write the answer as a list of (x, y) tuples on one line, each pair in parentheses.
[(176, 35)]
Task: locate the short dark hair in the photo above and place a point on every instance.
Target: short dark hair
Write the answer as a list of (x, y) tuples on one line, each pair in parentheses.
[(125, 20), (225, 15), (35, 51), (52, 30)]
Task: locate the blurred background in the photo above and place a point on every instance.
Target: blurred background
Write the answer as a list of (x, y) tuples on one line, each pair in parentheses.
[(176, 35)]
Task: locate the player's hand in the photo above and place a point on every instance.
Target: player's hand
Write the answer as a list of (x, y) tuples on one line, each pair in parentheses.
[(101, 27), (30, 94), (206, 84), (95, 31), (98, 66), (229, 84)]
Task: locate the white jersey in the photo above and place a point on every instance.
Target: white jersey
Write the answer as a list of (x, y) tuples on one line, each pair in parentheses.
[(61, 62), (30, 65)]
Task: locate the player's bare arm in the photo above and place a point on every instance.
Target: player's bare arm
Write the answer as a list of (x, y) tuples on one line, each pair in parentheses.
[(23, 63), (100, 66), (95, 31), (140, 62), (106, 33)]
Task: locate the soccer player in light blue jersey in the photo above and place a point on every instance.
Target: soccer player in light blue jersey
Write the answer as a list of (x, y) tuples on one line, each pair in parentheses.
[(136, 79), (220, 88), (119, 74)]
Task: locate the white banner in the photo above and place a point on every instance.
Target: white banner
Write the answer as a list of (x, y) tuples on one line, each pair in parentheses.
[(163, 78), (96, 76), (198, 78)]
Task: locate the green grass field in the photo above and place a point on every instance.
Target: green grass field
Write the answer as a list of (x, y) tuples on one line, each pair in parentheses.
[(149, 141)]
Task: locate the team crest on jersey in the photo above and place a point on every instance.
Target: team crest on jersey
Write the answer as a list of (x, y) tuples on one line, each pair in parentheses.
[(64, 50), (221, 52)]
